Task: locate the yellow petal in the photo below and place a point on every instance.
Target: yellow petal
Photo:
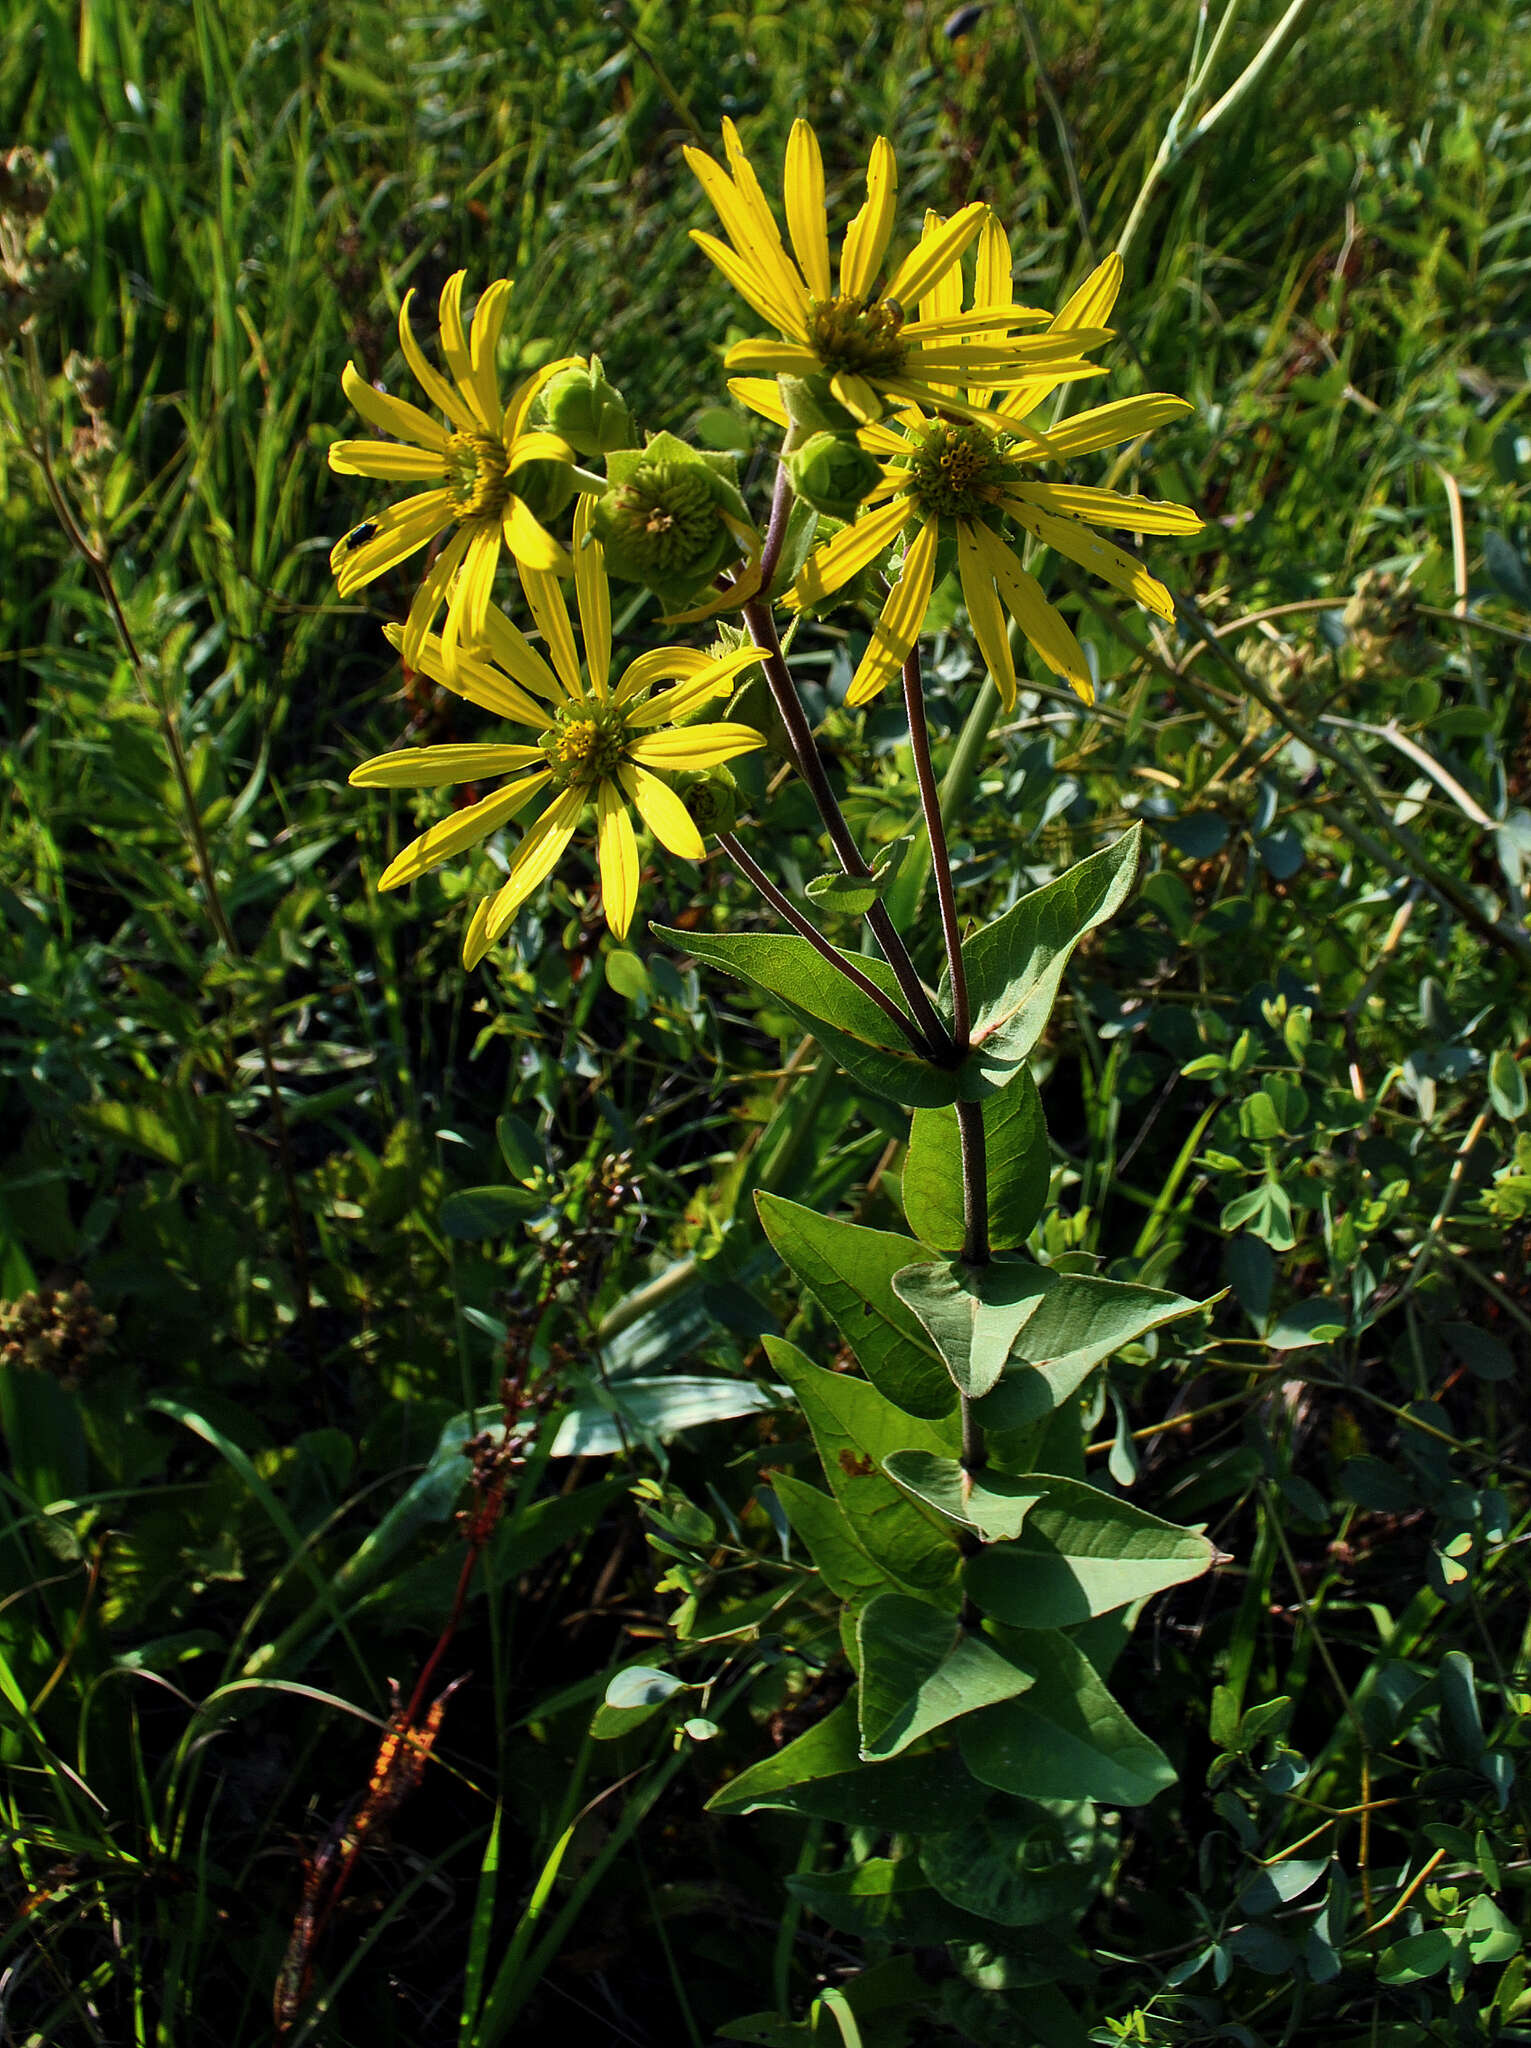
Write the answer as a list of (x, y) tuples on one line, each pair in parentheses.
[(593, 596), (488, 322), (1077, 543), (853, 549), (768, 235), (432, 591), (431, 382), (695, 690), (1104, 426), (866, 239), (400, 531), (538, 446), (516, 655), (1044, 626), (663, 812), (454, 344), (536, 858), (762, 395), (386, 459), (856, 394), (392, 415), (1091, 305), (1114, 508), (476, 939), (461, 830), (514, 421), (529, 541), (772, 358), (546, 599), (478, 682), (660, 665), (803, 190), (986, 613), (751, 286), (469, 608), (617, 850), (902, 617), (772, 273), (933, 260), (437, 767), (994, 274), (694, 746)]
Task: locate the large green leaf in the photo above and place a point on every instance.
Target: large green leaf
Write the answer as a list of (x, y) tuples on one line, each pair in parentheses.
[(849, 1270), (1015, 1146), (1079, 1322), (854, 1429), (993, 1503), (1065, 1739), (821, 1774), (974, 1314), (920, 1669), (1014, 965), (888, 1897), (1020, 1863), (845, 1566), (1081, 1553), (862, 1037), (629, 1410)]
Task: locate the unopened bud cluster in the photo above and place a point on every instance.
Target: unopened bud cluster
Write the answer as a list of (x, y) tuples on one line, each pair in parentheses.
[(34, 272), (671, 517), (56, 1331)]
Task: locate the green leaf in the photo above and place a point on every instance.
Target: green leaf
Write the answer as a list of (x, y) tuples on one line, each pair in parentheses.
[(642, 1685), (993, 1503), (884, 1896), (1507, 1086), (1067, 1738), (821, 1775), (849, 1270), (1021, 1865), (862, 1037), (854, 895), (920, 1669), (487, 1212), (1415, 1958), (627, 974), (1015, 1146), (847, 1568), (1081, 1553), (975, 1315), (634, 1409), (1079, 1323), (854, 1429), (1014, 966)]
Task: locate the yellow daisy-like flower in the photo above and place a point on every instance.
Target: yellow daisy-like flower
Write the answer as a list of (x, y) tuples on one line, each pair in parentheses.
[(957, 474), (470, 462), (610, 746), (858, 335)]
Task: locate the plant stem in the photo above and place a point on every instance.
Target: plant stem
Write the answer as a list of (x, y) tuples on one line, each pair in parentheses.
[(776, 530), (786, 909), (810, 765)]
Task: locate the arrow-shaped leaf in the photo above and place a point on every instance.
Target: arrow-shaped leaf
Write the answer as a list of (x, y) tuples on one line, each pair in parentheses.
[(974, 1314), (920, 1669)]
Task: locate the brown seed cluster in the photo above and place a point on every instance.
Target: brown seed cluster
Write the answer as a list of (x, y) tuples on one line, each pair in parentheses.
[(57, 1331)]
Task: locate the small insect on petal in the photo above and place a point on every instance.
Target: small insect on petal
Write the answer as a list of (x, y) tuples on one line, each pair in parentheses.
[(360, 535)]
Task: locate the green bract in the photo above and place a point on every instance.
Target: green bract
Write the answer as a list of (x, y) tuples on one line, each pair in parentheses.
[(671, 517)]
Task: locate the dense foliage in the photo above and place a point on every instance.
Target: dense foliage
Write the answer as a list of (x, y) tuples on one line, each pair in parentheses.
[(289, 1210)]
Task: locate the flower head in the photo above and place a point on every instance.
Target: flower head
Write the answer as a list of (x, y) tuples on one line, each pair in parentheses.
[(846, 329), (594, 743), (970, 473), (672, 519), (470, 463)]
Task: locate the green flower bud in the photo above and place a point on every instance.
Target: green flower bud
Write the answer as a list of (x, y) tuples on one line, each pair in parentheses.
[(833, 472), (664, 520), (812, 408), (713, 800), (588, 412)]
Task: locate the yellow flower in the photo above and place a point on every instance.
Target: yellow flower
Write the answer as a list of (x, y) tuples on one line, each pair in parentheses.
[(943, 473), (610, 746), (470, 462), (859, 336)]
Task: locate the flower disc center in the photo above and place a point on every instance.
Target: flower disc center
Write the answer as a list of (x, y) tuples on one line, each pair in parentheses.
[(478, 476), (859, 338), (587, 745), (958, 471)]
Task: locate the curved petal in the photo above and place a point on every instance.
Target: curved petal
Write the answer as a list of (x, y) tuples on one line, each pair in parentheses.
[(857, 394), (803, 191), (593, 596), (934, 258), (663, 812), (985, 611), (747, 281), (483, 341), (772, 358), (515, 415), (866, 239), (536, 857), (438, 767), (680, 702), (1043, 625), (1091, 305), (391, 415), (431, 382), (546, 599), (516, 655), (454, 344), (529, 540), (1105, 426), (763, 221), (538, 446), (660, 665), (476, 939), (1114, 508), (477, 681), (994, 268), (1077, 543), (400, 531), (762, 395), (429, 597), (694, 746), (853, 549), (902, 617), (393, 459), (461, 830), (617, 851), (469, 608), (769, 267)]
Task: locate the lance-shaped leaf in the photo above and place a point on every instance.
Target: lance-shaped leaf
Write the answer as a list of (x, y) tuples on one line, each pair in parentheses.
[(846, 1022), (1081, 1553), (1066, 1738), (1015, 1146), (1014, 965), (821, 1774), (1078, 1323), (849, 1270), (854, 1429), (921, 1668), (975, 1314), (846, 1567), (993, 1503)]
